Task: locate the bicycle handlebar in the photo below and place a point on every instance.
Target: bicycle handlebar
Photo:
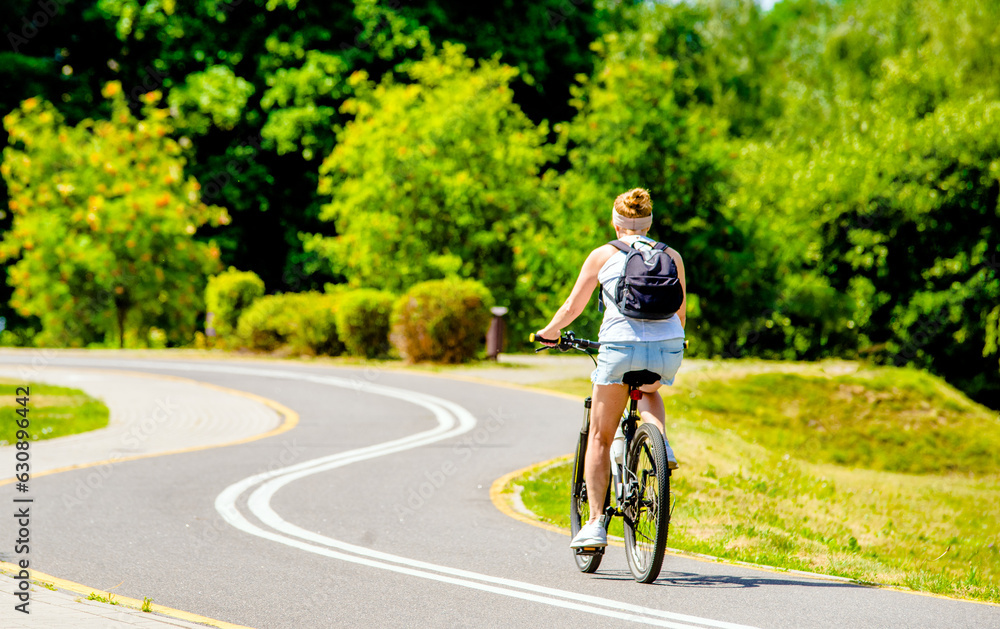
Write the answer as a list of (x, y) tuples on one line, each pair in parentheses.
[(565, 343), (569, 341)]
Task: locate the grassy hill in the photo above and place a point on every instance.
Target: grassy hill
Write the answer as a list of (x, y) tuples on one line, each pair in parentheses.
[(883, 475)]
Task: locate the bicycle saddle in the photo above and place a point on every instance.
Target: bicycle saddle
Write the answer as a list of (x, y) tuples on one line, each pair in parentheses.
[(640, 378)]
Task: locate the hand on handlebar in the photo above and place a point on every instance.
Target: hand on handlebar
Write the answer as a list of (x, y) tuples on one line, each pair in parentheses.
[(547, 338)]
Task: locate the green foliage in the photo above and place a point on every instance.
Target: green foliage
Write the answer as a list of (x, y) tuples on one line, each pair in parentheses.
[(228, 294), (363, 321), (213, 97), (901, 239), (441, 321), (445, 169), (548, 41), (103, 225), (299, 323), (631, 131), (827, 169), (877, 189)]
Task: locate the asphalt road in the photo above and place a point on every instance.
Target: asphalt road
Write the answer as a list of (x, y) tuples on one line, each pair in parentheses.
[(375, 511)]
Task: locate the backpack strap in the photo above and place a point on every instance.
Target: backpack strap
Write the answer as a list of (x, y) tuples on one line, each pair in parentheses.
[(620, 246), (601, 304)]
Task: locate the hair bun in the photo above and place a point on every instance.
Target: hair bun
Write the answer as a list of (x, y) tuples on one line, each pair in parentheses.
[(634, 204), (637, 199)]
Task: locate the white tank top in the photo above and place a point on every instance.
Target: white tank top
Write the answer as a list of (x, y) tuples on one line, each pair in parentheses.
[(617, 327)]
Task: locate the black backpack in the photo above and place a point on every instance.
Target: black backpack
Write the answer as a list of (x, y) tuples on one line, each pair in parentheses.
[(648, 287)]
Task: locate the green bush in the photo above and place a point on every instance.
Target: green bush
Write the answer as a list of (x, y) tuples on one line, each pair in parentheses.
[(230, 293), (441, 320), (304, 323), (363, 322)]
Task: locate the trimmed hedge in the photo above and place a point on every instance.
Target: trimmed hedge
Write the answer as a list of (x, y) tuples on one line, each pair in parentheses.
[(228, 294), (442, 321), (304, 323), (363, 322)]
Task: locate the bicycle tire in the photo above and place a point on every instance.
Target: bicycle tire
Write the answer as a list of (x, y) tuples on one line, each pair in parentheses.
[(579, 509), (647, 508)]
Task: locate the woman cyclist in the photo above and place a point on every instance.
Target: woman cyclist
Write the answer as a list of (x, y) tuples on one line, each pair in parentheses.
[(626, 345)]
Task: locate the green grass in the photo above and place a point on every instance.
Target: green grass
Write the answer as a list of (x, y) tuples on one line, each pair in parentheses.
[(53, 411), (807, 471), (897, 420), (110, 599)]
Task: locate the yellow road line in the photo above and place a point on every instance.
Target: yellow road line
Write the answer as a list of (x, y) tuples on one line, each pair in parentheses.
[(124, 601), (290, 420)]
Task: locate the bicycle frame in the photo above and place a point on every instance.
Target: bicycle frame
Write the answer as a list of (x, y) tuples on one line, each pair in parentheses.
[(623, 492), (629, 483)]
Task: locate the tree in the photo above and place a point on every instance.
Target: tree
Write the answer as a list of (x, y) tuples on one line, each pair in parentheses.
[(297, 57), (887, 197), (632, 131), (435, 177), (103, 225)]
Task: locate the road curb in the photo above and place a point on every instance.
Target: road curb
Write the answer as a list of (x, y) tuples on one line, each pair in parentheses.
[(124, 601)]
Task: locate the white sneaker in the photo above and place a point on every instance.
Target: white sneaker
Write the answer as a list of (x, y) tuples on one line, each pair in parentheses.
[(591, 535), (671, 459)]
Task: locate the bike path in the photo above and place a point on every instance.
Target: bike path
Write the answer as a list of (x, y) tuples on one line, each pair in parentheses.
[(428, 506)]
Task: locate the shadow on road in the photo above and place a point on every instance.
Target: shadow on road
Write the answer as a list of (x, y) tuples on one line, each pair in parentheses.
[(694, 580)]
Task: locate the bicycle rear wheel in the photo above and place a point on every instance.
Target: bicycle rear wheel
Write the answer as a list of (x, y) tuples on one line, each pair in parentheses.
[(579, 509), (647, 504)]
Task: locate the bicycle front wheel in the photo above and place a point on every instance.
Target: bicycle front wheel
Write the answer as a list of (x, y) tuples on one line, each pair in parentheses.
[(647, 504)]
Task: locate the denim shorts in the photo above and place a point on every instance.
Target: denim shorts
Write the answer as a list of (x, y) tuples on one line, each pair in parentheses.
[(616, 358)]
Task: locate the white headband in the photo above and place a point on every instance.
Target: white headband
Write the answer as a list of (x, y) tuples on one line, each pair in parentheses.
[(634, 224)]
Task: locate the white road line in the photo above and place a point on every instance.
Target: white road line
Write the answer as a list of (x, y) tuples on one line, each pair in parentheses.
[(453, 420)]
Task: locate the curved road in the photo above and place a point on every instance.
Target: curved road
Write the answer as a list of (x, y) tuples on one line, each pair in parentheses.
[(374, 510)]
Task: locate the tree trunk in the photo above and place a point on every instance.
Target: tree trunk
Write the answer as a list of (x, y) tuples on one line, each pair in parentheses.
[(122, 312)]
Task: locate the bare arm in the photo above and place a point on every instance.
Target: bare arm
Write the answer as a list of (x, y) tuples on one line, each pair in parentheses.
[(580, 295), (682, 311)]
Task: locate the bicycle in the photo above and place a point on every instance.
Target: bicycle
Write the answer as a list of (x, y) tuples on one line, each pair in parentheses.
[(641, 480)]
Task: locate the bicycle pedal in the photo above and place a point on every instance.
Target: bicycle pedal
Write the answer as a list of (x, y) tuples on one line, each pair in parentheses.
[(590, 551)]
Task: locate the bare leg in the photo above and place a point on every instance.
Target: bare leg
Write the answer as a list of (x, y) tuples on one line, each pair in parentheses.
[(608, 403), (651, 407), (651, 410)]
